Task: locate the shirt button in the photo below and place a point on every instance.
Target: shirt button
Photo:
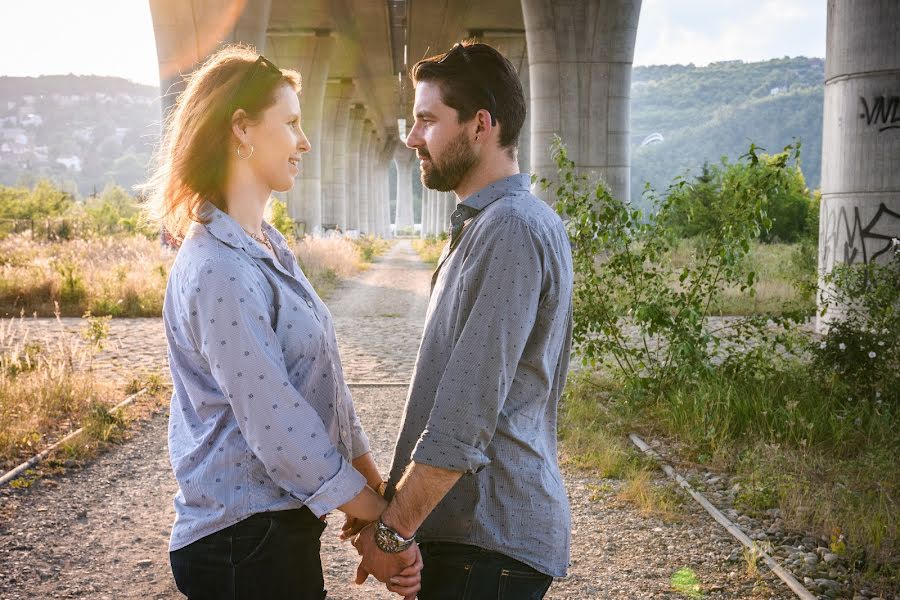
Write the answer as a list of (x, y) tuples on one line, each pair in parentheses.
[(309, 303)]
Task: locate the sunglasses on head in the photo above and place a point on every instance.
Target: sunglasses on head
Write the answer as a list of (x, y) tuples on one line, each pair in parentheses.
[(459, 49), (261, 65)]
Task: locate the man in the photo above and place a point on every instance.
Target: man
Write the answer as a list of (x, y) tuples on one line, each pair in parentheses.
[(475, 469)]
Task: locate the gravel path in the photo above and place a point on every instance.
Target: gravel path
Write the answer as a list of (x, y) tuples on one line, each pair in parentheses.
[(101, 532)]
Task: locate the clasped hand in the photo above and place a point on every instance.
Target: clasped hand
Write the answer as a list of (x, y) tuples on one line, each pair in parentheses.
[(401, 572)]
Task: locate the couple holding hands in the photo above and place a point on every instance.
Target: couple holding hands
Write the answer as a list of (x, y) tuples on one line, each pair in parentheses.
[(263, 436)]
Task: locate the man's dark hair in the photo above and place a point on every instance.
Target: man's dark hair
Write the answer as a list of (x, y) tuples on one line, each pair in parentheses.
[(474, 76)]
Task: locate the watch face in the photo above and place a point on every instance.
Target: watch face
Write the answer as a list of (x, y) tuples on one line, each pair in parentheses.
[(389, 540)]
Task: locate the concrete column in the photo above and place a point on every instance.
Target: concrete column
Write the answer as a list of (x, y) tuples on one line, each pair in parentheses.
[(860, 210), (437, 218), (426, 207), (405, 159), (365, 176), (354, 164), (374, 195), (427, 212), (335, 152), (525, 134), (580, 55), (311, 55), (384, 204), (379, 187), (448, 205), (514, 48), (188, 32)]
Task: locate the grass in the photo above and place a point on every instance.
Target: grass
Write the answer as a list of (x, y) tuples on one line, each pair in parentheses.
[(590, 443), (119, 276), (46, 392), (794, 440), (779, 268), (125, 276), (429, 249), (369, 247), (326, 261)]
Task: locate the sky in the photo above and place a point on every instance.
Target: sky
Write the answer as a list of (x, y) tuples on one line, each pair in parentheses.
[(115, 37)]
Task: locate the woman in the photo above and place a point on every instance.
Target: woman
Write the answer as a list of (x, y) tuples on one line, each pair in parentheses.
[(263, 437)]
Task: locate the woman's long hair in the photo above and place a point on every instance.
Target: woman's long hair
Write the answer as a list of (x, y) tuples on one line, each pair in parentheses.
[(193, 157)]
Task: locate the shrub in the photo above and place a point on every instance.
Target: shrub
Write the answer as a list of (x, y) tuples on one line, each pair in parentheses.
[(861, 348), (279, 218), (625, 277), (702, 207)]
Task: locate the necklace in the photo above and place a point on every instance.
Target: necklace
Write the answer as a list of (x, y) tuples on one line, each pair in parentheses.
[(264, 240)]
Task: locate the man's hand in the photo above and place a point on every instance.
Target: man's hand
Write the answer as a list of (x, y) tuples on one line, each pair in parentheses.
[(402, 572)]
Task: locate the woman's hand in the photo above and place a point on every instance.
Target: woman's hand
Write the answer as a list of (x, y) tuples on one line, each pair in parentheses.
[(366, 505), (351, 527)]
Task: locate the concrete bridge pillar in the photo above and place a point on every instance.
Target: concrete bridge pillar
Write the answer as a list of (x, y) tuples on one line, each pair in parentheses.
[(375, 180), (405, 159), (311, 56), (426, 213), (449, 201), (383, 212), (335, 157), (580, 54), (188, 32), (354, 165), (860, 211), (514, 48), (430, 197), (367, 147), (442, 217)]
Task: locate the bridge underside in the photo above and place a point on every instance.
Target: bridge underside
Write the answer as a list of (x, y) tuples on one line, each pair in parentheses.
[(574, 58), (354, 56)]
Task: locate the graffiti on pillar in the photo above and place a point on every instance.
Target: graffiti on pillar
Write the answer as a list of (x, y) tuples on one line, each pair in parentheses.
[(846, 239), (883, 113)]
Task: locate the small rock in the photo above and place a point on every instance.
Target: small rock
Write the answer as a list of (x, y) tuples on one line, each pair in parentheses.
[(146, 562)]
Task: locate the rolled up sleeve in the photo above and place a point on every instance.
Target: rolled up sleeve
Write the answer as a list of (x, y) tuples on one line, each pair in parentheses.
[(231, 321), (498, 306)]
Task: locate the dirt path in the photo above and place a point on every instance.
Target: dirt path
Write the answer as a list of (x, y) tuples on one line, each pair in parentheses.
[(101, 532)]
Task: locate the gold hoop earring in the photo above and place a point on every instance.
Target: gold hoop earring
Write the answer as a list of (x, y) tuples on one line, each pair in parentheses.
[(239, 151)]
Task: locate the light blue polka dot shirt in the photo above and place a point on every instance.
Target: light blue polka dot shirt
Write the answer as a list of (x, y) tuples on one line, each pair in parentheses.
[(261, 418)]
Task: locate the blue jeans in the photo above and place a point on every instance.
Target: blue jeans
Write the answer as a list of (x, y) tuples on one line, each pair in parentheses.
[(265, 556), (463, 572)]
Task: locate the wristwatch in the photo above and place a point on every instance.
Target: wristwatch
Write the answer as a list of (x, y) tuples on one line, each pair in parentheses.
[(389, 540)]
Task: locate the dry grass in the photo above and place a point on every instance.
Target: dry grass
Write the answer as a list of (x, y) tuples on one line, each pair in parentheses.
[(650, 496), (119, 276), (778, 269), (125, 276), (45, 392), (429, 249), (590, 442), (326, 261)]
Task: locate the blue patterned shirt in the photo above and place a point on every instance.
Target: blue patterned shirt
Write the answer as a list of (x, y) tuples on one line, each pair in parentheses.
[(488, 378), (260, 419)]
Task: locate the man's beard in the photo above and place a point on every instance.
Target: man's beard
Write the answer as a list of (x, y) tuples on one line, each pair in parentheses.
[(458, 158)]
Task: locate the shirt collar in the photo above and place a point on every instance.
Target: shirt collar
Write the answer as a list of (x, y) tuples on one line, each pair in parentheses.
[(496, 190), (227, 230)]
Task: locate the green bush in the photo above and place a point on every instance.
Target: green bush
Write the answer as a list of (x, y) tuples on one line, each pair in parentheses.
[(280, 219), (625, 277), (702, 207), (861, 349), (43, 200)]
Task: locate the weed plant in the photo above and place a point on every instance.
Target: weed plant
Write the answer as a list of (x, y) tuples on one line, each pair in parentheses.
[(810, 424)]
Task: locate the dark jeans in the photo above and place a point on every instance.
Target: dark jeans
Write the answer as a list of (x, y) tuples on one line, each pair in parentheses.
[(463, 572), (267, 556)]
